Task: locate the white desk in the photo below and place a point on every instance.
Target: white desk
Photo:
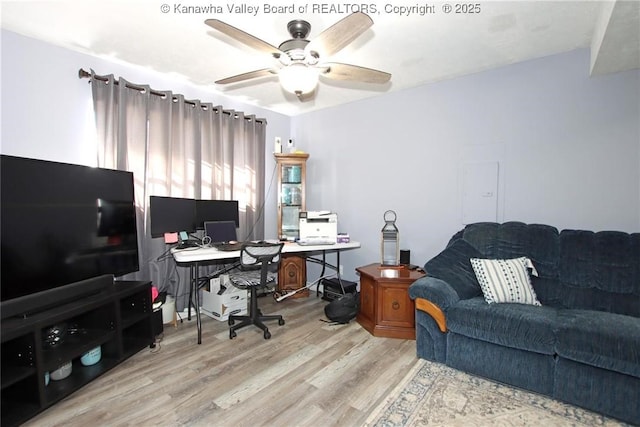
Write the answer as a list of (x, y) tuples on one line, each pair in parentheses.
[(194, 256)]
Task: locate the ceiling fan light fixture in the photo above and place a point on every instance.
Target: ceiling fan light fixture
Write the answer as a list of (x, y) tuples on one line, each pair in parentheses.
[(298, 78)]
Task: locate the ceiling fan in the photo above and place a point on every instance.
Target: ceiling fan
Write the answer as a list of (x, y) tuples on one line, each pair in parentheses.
[(301, 61)]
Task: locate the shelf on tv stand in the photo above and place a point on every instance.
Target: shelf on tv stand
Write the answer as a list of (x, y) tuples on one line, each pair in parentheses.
[(118, 319)]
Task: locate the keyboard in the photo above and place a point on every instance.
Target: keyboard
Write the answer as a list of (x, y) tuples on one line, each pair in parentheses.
[(228, 247)]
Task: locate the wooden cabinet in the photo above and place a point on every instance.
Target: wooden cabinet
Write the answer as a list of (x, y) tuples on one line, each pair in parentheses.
[(292, 275), (385, 307), (292, 174), (118, 320)]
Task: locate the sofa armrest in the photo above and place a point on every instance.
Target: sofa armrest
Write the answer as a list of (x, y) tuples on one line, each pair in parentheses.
[(432, 297), (434, 290), (434, 311)]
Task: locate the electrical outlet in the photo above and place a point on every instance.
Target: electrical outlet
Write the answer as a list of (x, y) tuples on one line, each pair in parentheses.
[(278, 145)]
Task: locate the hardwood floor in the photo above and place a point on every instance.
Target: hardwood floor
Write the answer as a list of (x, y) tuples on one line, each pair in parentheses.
[(309, 373)]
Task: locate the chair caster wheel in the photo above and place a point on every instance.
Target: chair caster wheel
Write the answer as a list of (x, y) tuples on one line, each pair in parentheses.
[(232, 335), (267, 335), (280, 322)]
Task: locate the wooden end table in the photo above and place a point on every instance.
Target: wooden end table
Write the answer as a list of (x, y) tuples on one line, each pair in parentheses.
[(385, 307)]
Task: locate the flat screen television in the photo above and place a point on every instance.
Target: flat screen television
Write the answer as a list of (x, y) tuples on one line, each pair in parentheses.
[(62, 223)]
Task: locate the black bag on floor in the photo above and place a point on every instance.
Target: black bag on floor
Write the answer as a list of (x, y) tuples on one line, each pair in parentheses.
[(344, 309)]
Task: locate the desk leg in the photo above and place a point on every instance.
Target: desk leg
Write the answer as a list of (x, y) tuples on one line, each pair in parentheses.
[(325, 264), (338, 271), (324, 267), (198, 319), (191, 286), (195, 279)]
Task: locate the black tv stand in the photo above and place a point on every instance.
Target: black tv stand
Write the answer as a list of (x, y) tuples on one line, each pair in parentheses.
[(118, 319)]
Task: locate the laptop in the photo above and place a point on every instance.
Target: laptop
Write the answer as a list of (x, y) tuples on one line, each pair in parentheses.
[(223, 235)]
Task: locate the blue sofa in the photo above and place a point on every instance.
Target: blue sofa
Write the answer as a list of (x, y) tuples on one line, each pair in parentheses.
[(581, 346)]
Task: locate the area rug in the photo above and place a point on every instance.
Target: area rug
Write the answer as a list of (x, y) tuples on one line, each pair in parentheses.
[(433, 394)]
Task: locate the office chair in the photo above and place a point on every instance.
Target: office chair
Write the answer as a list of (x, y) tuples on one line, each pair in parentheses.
[(254, 256)]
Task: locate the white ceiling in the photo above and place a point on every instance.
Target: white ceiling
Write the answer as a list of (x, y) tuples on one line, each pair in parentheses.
[(415, 49)]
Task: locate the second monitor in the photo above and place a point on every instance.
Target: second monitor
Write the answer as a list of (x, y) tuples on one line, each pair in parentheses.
[(216, 210)]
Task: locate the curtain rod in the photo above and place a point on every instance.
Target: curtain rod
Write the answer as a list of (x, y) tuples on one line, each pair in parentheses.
[(82, 74)]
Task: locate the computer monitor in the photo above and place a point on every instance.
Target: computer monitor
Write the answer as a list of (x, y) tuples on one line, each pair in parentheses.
[(171, 214), (216, 210), (220, 231)]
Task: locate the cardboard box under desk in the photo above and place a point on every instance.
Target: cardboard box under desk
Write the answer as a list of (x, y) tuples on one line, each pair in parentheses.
[(231, 301)]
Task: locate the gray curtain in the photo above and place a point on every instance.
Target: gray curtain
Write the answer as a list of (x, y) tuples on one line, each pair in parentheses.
[(179, 148)]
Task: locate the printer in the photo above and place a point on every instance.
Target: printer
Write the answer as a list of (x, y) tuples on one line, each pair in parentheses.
[(318, 228)]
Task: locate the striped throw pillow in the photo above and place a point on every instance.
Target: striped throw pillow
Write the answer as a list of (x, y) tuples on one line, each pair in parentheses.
[(506, 280)]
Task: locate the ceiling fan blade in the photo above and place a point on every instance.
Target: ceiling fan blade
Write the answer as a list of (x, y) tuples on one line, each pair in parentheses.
[(338, 71), (243, 37), (340, 34), (247, 76)]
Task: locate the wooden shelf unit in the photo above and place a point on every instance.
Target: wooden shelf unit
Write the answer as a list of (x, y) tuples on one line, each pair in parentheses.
[(292, 176)]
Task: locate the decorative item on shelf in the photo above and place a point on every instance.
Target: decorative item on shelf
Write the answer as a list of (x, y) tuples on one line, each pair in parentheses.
[(286, 195), (296, 196), (62, 372), (54, 335), (390, 244), (295, 174), (92, 356), (286, 173)]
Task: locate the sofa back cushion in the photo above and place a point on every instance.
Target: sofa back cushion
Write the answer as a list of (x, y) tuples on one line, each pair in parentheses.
[(601, 270), (516, 239), (453, 265), (577, 269)]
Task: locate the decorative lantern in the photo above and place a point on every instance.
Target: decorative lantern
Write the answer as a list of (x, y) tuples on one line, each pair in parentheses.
[(390, 240)]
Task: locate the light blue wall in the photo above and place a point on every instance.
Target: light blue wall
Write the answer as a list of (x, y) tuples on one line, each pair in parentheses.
[(568, 144), (568, 147)]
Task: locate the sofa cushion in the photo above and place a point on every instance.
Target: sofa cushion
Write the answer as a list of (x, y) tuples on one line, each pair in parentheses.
[(562, 295), (600, 271), (452, 265), (606, 340), (526, 327), (505, 280), (515, 239)]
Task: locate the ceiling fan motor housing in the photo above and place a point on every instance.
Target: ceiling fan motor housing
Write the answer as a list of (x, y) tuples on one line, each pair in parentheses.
[(299, 29), (294, 47)]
